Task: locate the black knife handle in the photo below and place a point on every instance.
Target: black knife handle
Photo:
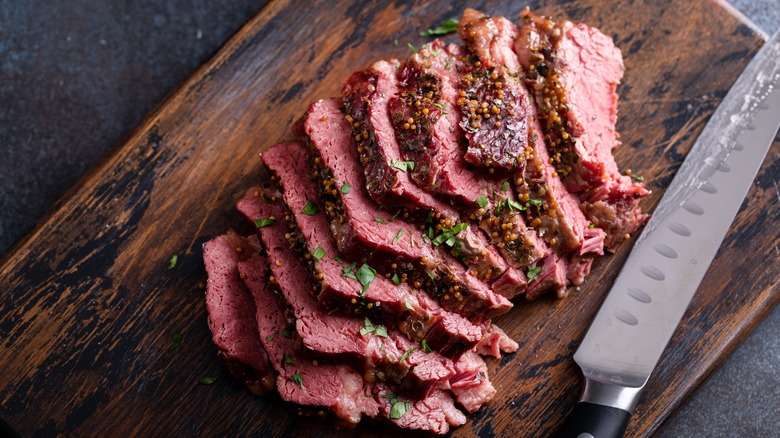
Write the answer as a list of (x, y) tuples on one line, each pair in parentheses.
[(589, 420)]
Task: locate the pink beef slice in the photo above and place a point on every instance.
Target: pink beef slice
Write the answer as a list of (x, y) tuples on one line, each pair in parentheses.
[(334, 386), (380, 353), (435, 413), (415, 314), (575, 70), (372, 113), (363, 230), (231, 314), (430, 83), (493, 101)]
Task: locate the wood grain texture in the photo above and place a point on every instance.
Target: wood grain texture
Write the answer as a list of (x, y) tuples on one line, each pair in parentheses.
[(88, 307)]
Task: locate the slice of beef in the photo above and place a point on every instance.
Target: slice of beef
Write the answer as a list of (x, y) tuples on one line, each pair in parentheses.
[(430, 82), (573, 71), (550, 208), (493, 102), (471, 385), (415, 314), (496, 341), (231, 315), (435, 413), (334, 386), (383, 353), (364, 231), (375, 102)]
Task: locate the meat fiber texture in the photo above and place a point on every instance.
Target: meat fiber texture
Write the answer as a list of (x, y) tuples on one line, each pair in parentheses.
[(410, 212)]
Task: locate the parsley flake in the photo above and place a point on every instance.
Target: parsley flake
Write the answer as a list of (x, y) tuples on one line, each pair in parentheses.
[(365, 275), (172, 261), (345, 188), (398, 236), (505, 186), (263, 222), (533, 272), (425, 347), (446, 27), (404, 166), (398, 409), (448, 235), (271, 336), (288, 360), (297, 379), (536, 202), (396, 280), (406, 355), (349, 271), (380, 220), (369, 328), (637, 177), (482, 202), (207, 380), (412, 48), (409, 306), (592, 226), (176, 340), (319, 253), (310, 208), (442, 109)]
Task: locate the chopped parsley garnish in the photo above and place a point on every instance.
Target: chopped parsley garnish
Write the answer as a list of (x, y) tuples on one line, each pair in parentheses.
[(208, 380), (407, 353), (310, 208), (446, 27), (297, 379), (409, 306), (172, 261), (345, 188), (442, 109), (392, 218), (267, 200), (263, 222), (398, 236), (271, 336), (536, 202), (533, 272), (339, 259), (349, 271), (425, 346), (448, 63), (592, 226), (176, 340), (397, 408), (482, 202), (405, 166), (431, 275), (365, 275), (505, 186), (637, 177), (288, 331), (447, 235), (319, 253), (369, 328), (380, 220), (288, 360), (514, 205), (429, 218), (412, 48), (396, 280)]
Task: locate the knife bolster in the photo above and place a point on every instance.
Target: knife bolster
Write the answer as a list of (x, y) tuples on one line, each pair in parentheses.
[(608, 394)]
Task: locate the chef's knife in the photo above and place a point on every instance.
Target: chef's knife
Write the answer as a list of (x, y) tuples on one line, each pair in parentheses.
[(671, 256)]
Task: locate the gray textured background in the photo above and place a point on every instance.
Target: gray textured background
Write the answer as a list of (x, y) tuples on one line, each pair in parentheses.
[(77, 70)]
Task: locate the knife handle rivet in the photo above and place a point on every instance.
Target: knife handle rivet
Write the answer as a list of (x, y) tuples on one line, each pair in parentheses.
[(626, 317), (750, 127), (738, 146), (653, 272), (717, 164), (679, 228)]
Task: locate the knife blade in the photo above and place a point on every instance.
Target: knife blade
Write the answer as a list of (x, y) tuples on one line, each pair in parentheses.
[(668, 262)]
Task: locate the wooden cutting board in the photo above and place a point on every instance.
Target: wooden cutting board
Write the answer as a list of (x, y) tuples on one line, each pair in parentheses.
[(89, 308)]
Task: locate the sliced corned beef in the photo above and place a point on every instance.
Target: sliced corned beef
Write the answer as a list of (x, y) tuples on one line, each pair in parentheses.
[(373, 109), (495, 342), (382, 352), (331, 385), (393, 301), (365, 231), (435, 413), (573, 71), (231, 315), (493, 102), (471, 385)]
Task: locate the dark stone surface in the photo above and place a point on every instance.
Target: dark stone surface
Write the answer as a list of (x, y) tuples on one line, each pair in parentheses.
[(77, 76)]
